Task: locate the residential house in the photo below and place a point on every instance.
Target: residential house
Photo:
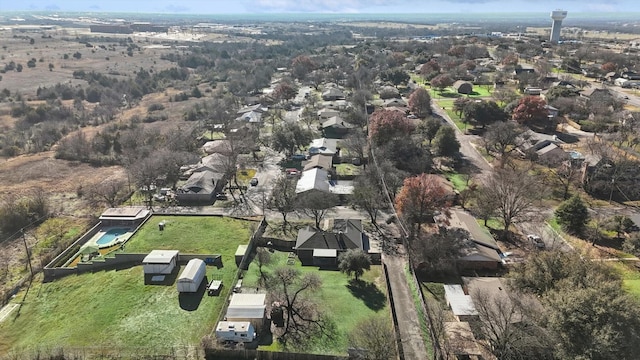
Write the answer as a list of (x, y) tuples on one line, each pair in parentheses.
[(322, 247), (551, 154), (335, 127), (336, 105), (314, 180), (396, 102), (256, 107), (593, 92), (332, 94), (319, 161), (481, 250), (217, 147), (552, 111), (461, 342), (463, 87), (319, 180), (201, 187), (325, 113), (250, 117), (533, 91), (523, 70), (324, 146)]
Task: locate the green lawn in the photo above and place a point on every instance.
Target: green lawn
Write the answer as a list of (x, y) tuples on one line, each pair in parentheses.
[(114, 310), (346, 308), (458, 181), (422, 317), (447, 104), (191, 235), (117, 309), (630, 277), (632, 287), (348, 169)]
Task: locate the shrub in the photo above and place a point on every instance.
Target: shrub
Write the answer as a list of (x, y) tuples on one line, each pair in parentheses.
[(155, 107), (632, 244), (573, 215)]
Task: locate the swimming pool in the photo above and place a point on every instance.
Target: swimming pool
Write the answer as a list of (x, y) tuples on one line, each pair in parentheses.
[(110, 235)]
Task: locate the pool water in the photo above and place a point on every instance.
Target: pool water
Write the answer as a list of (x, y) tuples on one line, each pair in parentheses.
[(110, 235)]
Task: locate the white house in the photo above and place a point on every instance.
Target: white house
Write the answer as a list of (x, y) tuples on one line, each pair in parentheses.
[(192, 276), (235, 331), (160, 262)]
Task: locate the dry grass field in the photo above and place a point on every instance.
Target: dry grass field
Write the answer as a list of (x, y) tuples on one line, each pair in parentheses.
[(61, 180)]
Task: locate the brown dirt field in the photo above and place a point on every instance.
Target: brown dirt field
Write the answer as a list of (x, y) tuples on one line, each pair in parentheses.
[(63, 42), (60, 179)]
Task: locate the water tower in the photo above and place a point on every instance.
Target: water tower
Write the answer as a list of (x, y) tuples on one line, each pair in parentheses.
[(557, 16)]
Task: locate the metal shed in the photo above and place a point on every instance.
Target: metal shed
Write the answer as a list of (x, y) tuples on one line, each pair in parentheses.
[(247, 307), (160, 261), (192, 276)]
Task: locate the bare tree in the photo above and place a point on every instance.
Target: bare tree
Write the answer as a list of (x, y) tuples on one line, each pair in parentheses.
[(108, 192), (356, 144), (374, 339), (263, 258), (437, 253), (508, 330), (564, 174), (368, 194), (293, 293), (316, 205), (514, 193), (283, 198), (502, 139)]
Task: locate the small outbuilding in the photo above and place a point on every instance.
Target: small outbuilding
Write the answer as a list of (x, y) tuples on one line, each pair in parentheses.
[(463, 87), (235, 331), (247, 307), (192, 276), (461, 304), (160, 262), (240, 253)]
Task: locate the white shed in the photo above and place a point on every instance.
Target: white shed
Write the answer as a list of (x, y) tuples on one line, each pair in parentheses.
[(235, 331), (247, 307), (192, 276), (160, 262)]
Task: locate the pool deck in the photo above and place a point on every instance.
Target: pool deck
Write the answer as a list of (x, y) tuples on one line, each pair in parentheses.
[(102, 249), (118, 240)]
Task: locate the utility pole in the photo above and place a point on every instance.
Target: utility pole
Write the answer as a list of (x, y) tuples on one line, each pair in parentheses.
[(26, 248)]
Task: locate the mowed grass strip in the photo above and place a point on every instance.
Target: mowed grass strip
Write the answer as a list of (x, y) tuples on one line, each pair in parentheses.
[(345, 304), (112, 309), (191, 235)]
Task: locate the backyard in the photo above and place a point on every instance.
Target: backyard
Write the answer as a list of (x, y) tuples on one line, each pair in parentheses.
[(111, 311), (345, 303), (85, 310), (192, 235)]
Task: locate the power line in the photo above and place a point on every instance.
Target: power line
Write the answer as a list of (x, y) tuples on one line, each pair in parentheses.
[(381, 176)]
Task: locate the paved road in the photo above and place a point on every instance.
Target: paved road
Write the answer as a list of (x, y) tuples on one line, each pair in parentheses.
[(408, 320), (468, 151)]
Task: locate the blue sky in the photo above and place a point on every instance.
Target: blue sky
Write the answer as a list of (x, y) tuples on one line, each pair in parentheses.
[(323, 6)]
